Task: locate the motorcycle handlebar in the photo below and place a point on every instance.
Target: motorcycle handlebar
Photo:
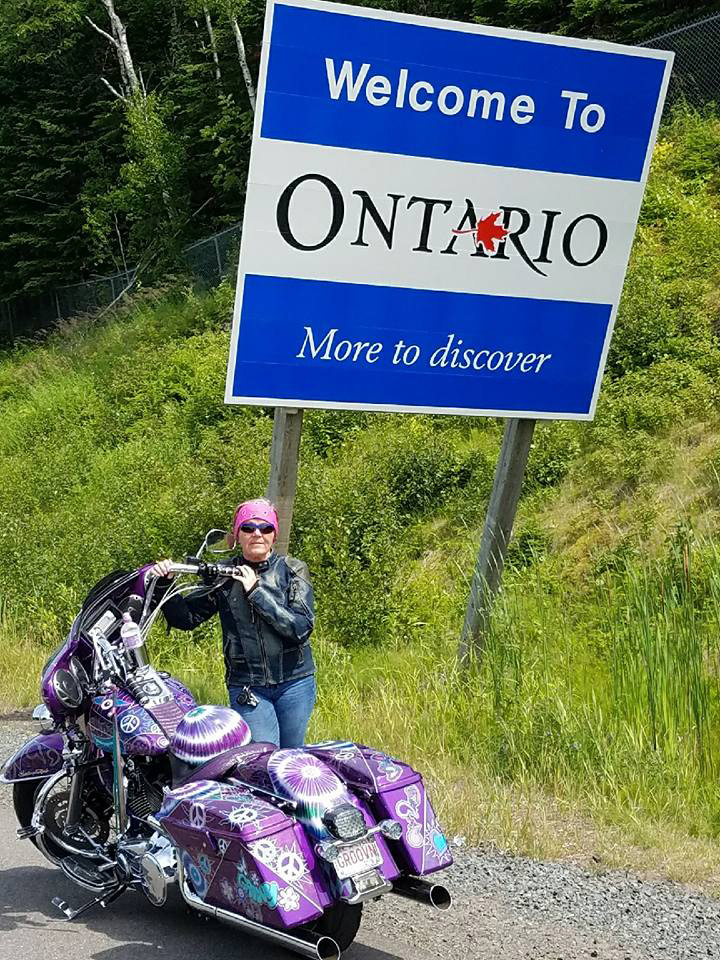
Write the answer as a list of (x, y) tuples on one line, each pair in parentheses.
[(185, 567), (211, 570)]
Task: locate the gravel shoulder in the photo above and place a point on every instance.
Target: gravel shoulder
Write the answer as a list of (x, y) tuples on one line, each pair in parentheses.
[(516, 908)]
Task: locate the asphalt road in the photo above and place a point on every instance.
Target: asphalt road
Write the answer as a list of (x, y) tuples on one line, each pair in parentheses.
[(130, 928)]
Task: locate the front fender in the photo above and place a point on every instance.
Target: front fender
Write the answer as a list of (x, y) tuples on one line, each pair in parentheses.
[(38, 758)]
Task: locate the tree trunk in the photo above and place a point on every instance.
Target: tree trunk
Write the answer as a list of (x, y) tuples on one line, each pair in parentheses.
[(127, 67), (249, 85), (213, 48)]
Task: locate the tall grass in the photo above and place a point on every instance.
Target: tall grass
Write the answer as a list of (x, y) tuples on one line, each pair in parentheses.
[(663, 690), (22, 656), (591, 724)]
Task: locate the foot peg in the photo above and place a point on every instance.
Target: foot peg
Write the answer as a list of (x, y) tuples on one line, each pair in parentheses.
[(24, 833), (88, 874), (63, 907), (102, 901)]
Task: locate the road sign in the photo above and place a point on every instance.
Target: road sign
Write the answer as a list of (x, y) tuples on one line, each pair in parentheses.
[(439, 215)]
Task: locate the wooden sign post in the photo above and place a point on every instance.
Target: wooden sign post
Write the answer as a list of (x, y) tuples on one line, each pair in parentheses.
[(507, 485), (284, 454)]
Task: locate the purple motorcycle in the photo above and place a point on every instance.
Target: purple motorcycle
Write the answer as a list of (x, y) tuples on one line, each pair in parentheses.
[(133, 786)]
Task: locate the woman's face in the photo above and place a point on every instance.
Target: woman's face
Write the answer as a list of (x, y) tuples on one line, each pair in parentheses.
[(256, 540)]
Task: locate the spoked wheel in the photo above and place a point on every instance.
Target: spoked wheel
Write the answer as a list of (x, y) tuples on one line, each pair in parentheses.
[(54, 844), (341, 922)]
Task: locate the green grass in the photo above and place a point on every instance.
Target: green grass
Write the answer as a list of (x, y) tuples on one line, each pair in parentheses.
[(590, 729), (22, 657)]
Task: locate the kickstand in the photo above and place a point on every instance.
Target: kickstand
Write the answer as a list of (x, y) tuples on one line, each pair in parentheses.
[(102, 901)]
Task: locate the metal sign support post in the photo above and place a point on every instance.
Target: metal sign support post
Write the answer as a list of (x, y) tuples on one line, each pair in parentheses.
[(284, 454), (509, 475)]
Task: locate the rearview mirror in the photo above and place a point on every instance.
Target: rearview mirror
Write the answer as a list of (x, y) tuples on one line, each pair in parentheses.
[(217, 541)]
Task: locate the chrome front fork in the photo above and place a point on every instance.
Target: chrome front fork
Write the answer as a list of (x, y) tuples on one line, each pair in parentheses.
[(73, 814)]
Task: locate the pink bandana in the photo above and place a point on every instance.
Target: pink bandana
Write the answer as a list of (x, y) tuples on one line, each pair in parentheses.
[(254, 510)]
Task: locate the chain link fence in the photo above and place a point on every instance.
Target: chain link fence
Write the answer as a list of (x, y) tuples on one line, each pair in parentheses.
[(211, 259), (696, 71), (208, 260)]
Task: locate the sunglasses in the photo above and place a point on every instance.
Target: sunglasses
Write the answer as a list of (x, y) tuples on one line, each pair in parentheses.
[(250, 527)]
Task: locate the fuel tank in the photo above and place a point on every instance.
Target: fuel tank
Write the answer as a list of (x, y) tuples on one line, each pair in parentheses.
[(146, 727)]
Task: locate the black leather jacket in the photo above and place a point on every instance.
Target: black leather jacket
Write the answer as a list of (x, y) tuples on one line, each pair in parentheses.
[(265, 632)]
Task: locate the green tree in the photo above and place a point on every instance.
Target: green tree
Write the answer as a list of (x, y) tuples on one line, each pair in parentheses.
[(626, 21), (46, 88)]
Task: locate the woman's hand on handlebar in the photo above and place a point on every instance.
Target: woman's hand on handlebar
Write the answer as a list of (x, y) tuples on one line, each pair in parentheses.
[(246, 576), (163, 568)]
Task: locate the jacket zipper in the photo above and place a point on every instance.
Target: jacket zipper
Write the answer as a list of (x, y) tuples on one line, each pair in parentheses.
[(261, 644)]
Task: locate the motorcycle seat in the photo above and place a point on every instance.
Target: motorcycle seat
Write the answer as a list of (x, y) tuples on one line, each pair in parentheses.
[(219, 766)]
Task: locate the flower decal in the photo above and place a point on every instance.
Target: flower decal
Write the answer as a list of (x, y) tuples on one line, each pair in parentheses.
[(227, 891), (289, 899)]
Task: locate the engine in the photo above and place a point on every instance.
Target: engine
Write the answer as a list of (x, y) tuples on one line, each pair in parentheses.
[(145, 789)]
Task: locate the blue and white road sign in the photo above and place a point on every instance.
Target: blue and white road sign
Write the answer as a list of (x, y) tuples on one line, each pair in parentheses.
[(439, 215)]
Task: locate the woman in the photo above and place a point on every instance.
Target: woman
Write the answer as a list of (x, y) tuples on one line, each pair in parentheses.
[(267, 613)]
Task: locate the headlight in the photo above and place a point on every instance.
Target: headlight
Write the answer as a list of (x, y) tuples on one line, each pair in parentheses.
[(345, 822), (67, 689)]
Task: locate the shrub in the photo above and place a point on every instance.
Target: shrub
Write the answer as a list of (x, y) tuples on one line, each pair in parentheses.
[(554, 447), (326, 430)]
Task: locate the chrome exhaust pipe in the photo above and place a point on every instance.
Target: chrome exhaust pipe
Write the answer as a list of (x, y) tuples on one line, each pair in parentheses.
[(432, 894), (316, 946)]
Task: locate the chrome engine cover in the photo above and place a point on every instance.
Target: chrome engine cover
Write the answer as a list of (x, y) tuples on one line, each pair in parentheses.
[(158, 869), (150, 865)]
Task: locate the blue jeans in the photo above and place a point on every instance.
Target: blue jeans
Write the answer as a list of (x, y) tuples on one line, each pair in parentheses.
[(282, 712)]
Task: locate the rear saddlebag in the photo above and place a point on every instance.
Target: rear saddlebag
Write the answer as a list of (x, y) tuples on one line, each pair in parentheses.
[(394, 791), (241, 853)]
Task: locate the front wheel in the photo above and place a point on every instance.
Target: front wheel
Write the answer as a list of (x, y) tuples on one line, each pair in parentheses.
[(54, 846), (341, 922)]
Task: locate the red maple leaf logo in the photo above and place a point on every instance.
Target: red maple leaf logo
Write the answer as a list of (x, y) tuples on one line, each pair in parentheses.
[(487, 231)]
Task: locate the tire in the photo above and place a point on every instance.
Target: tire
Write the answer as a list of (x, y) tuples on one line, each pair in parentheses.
[(24, 793), (341, 922)]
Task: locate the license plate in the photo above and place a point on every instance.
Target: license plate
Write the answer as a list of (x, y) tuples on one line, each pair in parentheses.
[(358, 858)]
